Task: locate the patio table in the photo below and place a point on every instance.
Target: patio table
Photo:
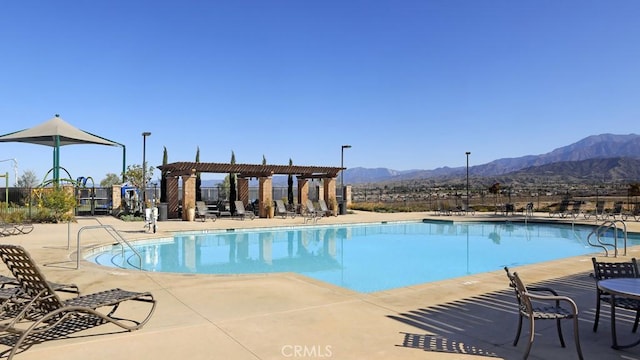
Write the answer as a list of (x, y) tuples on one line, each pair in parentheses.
[(623, 287)]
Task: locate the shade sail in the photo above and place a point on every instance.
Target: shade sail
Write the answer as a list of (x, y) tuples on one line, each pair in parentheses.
[(56, 132)]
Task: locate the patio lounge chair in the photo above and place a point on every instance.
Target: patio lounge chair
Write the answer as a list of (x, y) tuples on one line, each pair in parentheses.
[(611, 270), (281, 210), (576, 209), (508, 208), (443, 208), (202, 212), (324, 209), (45, 316), (528, 210), (310, 213), (464, 210), (635, 213), (562, 209), (599, 212), (552, 311), (617, 210), (15, 228), (7, 282), (242, 213), (7, 230)]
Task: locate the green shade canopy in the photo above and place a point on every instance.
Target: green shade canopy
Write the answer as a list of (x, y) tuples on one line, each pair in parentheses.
[(55, 132)]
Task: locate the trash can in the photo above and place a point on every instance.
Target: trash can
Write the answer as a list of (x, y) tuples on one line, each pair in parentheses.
[(343, 208), (162, 212)]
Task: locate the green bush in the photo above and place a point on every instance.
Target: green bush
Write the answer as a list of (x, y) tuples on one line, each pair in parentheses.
[(60, 203), (131, 217)]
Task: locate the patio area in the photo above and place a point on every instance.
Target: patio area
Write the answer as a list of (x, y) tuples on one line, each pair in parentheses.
[(285, 316)]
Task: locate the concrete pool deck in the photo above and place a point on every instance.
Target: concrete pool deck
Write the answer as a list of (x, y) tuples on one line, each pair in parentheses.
[(287, 316)]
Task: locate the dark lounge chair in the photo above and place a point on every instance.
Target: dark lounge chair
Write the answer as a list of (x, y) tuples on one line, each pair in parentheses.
[(45, 316), (562, 209)]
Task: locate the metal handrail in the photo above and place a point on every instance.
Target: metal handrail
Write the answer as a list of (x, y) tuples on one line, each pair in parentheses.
[(113, 232), (603, 228)]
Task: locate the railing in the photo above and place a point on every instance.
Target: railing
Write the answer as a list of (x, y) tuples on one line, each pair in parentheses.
[(115, 235), (609, 225)]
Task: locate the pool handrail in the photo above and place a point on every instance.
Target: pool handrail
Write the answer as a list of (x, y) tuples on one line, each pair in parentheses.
[(113, 232), (603, 228)]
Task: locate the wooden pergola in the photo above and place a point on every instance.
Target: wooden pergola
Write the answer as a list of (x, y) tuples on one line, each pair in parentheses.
[(245, 172)]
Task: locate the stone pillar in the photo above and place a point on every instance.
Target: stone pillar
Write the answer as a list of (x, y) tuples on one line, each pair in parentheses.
[(173, 197), (347, 195), (303, 192), (265, 194), (243, 190), (188, 194), (320, 191), (330, 193), (116, 199)]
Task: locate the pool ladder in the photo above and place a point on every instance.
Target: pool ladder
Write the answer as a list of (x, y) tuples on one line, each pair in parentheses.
[(615, 226)]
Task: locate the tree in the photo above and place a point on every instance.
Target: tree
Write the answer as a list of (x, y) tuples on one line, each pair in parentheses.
[(198, 179), (495, 189), (264, 160), (60, 202), (28, 180), (232, 186), (110, 180), (223, 188), (290, 186), (163, 177), (133, 175)]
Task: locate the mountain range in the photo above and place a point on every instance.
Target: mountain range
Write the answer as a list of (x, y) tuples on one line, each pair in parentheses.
[(596, 158), (605, 157)]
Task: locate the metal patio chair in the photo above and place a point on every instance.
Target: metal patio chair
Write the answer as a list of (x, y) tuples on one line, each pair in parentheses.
[(547, 307), (612, 270)]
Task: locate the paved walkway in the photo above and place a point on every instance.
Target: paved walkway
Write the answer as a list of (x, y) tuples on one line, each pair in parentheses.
[(286, 316)]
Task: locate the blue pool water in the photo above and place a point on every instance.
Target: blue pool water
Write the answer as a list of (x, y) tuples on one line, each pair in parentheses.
[(364, 258)]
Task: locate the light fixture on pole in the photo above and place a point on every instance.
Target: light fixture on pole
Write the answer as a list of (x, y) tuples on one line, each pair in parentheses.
[(144, 167), (15, 169), (468, 153), (343, 207)]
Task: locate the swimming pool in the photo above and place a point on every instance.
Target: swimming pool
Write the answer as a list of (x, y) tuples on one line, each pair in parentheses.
[(365, 258)]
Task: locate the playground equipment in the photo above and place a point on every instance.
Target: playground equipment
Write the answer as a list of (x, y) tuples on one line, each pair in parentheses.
[(131, 199), (39, 192), (89, 199)]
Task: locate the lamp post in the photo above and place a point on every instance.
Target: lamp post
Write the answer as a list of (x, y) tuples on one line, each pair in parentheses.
[(343, 209), (15, 169), (144, 167), (468, 153)]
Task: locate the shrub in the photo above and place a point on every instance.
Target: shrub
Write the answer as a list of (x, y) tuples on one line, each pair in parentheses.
[(60, 203)]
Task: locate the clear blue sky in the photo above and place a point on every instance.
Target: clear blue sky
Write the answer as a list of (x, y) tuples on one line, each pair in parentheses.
[(409, 84)]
